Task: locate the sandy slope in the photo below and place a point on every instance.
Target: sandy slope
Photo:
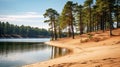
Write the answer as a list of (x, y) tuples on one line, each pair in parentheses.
[(99, 51)]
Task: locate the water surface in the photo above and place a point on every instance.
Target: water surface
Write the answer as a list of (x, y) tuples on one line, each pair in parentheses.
[(19, 52), (25, 40)]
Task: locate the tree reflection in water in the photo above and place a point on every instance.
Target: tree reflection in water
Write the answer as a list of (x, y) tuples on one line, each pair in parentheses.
[(57, 52), (11, 47)]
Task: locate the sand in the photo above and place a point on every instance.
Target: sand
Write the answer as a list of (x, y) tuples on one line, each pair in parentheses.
[(100, 50)]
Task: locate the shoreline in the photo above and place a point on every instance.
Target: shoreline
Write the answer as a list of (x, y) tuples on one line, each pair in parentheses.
[(53, 44), (104, 53)]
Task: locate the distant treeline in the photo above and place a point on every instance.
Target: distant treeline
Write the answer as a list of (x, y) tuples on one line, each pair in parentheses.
[(8, 30)]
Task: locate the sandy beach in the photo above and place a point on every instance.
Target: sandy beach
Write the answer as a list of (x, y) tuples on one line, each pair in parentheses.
[(100, 50)]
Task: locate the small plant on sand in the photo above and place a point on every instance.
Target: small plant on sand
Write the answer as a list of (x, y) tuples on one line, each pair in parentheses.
[(90, 36), (84, 40)]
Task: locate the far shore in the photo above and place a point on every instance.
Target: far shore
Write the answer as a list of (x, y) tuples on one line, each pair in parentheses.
[(20, 36), (102, 50)]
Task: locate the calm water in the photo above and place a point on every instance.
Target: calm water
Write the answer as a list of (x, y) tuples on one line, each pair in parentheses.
[(19, 52)]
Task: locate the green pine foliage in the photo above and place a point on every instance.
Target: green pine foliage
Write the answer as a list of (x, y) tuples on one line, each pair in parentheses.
[(92, 16), (10, 30)]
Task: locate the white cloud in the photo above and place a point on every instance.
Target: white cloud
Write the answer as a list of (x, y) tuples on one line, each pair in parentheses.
[(27, 15), (31, 12), (27, 18)]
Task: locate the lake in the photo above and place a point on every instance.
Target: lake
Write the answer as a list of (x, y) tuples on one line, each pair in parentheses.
[(19, 52)]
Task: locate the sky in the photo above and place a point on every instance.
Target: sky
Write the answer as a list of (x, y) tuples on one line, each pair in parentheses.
[(30, 12)]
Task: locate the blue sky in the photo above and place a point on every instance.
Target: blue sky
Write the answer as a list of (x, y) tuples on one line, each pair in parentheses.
[(29, 12)]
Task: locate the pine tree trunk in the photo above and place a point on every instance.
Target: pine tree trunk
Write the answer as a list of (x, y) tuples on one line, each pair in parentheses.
[(55, 33), (105, 20), (72, 30), (71, 24), (52, 34), (117, 15), (100, 22), (93, 26), (87, 28), (97, 25), (69, 31), (80, 25), (110, 21), (59, 32), (90, 16)]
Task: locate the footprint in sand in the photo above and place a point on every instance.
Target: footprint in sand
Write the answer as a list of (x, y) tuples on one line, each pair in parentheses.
[(98, 66), (84, 62)]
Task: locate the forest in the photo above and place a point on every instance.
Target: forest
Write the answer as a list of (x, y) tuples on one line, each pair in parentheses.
[(75, 18), (8, 30)]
